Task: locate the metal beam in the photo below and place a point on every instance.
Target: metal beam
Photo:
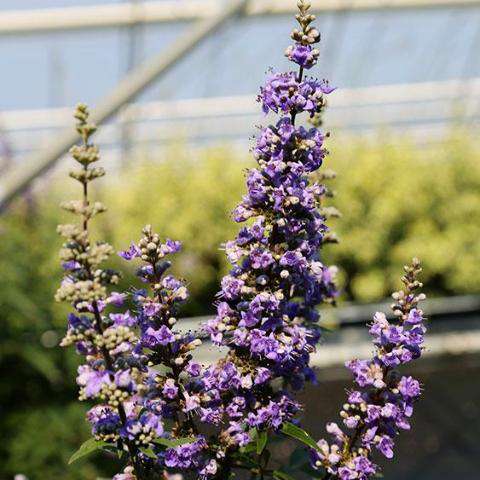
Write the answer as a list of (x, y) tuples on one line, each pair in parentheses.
[(351, 314), (457, 336), (422, 111), (120, 15), (127, 89), (437, 344), (403, 94)]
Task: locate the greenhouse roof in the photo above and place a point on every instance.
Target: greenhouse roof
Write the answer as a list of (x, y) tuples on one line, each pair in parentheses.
[(359, 49)]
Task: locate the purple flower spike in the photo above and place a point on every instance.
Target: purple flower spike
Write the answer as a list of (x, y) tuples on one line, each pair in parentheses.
[(382, 406)]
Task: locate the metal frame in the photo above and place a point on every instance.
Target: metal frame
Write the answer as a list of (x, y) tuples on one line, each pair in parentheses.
[(351, 342), (135, 82), (423, 110), (212, 14), (121, 15), (444, 91)]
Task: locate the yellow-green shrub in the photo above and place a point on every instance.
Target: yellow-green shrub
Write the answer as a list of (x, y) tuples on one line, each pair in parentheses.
[(399, 201), (186, 197)]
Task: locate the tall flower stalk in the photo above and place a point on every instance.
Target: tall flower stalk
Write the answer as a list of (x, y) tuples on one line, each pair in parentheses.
[(382, 403), (137, 369), (85, 287), (266, 314)]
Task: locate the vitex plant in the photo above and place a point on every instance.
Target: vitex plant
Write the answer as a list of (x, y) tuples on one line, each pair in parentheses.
[(168, 417)]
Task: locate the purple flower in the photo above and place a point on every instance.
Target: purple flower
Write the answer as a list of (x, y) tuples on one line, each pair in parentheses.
[(192, 402), (116, 299), (303, 55), (124, 319), (284, 93), (293, 259), (409, 387), (211, 415), (71, 265), (414, 317), (270, 297), (210, 468), (377, 414), (150, 309), (185, 456), (163, 336), (261, 259), (231, 287), (385, 445), (366, 373), (144, 273), (170, 390), (170, 246), (91, 380), (131, 253), (262, 375), (194, 369)]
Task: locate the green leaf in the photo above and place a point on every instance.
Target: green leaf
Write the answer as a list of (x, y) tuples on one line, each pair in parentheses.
[(148, 452), (296, 432), (87, 448), (282, 475), (175, 442), (252, 445), (262, 438)]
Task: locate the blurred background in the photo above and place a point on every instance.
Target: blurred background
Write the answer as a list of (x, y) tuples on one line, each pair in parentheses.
[(175, 82)]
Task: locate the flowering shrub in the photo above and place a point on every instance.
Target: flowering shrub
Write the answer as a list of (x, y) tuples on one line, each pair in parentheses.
[(169, 417)]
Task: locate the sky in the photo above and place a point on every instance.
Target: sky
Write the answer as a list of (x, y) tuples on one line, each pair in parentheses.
[(29, 4), (358, 49)]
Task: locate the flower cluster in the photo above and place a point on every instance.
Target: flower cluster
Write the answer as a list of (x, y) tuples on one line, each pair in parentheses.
[(284, 92), (124, 347), (172, 394), (111, 372), (382, 403), (266, 313)]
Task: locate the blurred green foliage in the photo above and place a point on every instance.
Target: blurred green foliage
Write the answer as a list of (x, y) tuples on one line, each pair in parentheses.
[(396, 201), (400, 202), (187, 198)]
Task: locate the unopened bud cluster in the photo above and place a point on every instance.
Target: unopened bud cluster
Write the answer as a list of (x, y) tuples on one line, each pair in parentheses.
[(305, 37)]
